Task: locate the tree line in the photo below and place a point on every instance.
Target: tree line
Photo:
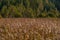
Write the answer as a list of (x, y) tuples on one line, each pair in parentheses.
[(29, 8)]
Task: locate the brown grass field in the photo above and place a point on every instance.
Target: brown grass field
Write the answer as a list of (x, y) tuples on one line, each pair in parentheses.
[(29, 29)]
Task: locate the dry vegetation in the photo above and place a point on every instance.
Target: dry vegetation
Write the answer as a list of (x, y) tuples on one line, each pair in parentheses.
[(29, 29)]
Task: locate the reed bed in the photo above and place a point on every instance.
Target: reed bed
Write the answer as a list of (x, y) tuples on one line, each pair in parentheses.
[(30, 29)]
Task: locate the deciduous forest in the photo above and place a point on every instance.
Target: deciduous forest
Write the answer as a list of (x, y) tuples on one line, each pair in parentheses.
[(29, 8)]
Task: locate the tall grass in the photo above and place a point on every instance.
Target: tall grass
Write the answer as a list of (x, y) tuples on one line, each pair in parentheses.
[(41, 29)]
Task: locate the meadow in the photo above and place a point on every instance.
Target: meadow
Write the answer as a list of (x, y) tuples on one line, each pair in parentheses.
[(29, 29)]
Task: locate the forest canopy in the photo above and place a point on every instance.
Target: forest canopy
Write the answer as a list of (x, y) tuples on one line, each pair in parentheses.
[(29, 8)]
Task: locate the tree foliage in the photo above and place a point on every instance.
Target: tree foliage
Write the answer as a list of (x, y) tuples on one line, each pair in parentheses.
[(29, 8)]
